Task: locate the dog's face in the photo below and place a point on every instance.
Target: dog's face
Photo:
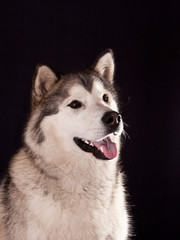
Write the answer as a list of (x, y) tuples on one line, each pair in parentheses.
[(80, 112), (85, 118)]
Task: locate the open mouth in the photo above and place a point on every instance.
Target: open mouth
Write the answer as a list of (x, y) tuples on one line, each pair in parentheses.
[(104, 149)]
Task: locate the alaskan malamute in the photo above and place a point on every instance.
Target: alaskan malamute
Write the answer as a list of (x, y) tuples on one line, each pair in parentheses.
[(65, 182)]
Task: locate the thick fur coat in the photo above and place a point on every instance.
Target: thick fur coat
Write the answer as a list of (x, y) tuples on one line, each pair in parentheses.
[(65, 182)]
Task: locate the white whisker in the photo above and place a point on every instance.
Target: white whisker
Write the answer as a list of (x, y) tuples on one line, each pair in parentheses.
[(125, 134)]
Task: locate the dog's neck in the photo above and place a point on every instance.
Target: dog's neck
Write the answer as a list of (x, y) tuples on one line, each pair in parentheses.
[(76, 174)]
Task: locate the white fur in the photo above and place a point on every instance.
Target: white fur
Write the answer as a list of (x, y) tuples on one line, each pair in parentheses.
[(87, 182)]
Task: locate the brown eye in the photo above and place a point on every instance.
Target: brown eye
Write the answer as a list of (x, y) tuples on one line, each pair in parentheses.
[(75, 104), (105, 98)]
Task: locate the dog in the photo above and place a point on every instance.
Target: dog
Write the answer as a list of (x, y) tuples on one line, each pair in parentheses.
[(65, 182)]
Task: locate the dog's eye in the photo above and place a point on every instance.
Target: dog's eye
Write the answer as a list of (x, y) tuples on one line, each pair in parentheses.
[(105, 98), (75, 104)]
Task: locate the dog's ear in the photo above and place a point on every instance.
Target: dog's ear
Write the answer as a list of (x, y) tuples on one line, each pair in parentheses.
[(44, 79), (104, 65)]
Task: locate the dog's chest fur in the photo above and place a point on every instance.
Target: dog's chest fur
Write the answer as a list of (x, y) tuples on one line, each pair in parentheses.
[(80, 205), (77, 219)]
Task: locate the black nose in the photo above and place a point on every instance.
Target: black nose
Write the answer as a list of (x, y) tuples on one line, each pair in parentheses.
[(111, 120)]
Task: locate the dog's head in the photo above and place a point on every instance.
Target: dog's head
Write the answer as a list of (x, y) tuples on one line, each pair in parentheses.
[(78, 114)]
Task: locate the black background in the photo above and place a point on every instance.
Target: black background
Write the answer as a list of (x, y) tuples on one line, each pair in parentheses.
[(145, 38)]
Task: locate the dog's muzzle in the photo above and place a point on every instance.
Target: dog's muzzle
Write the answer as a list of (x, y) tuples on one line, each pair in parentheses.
[(111, 120), (104, 149)]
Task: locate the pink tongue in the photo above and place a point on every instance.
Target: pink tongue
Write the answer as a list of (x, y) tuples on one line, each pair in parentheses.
[(109, 148)]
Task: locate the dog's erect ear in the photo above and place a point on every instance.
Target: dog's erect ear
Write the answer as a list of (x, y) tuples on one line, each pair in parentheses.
[(105, 65), (44, 79)]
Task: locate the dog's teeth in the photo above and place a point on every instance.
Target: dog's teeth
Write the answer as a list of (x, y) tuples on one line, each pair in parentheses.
[(101, 148), (87, 142)]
